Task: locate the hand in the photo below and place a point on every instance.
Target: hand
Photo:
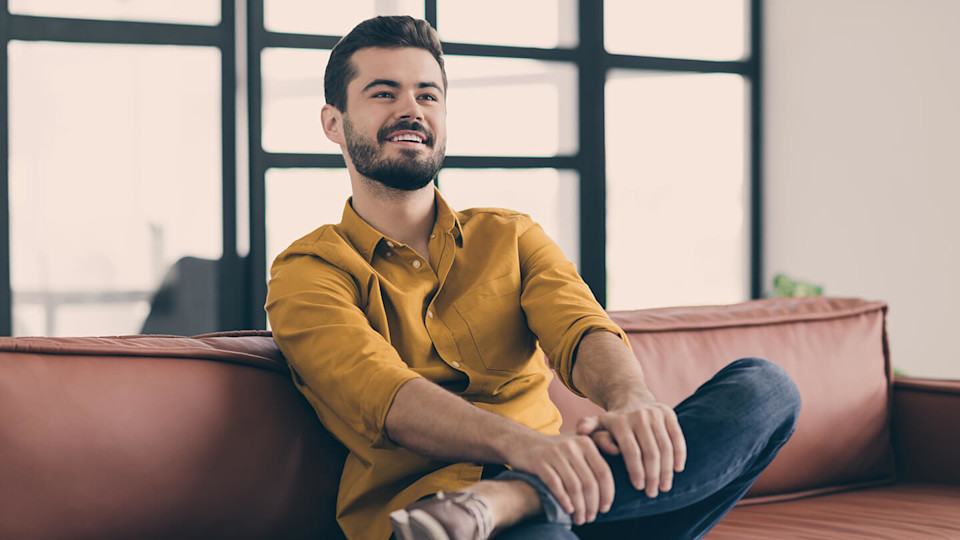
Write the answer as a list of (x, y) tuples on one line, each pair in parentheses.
[(604, 441), (647, 434), (571, 466)]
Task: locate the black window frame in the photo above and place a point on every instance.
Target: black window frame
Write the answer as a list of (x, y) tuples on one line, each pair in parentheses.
[(242, 281), (230, 270), (593, 64)]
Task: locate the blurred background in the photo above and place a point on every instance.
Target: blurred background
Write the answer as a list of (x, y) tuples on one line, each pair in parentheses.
[(160, 153)]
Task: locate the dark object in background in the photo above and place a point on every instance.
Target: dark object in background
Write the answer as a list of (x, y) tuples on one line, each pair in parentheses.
[(186, 302)]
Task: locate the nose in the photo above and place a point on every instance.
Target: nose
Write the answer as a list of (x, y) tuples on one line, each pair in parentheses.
[(408, 108)]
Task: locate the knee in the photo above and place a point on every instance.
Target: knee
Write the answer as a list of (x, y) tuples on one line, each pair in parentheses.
[(773, 393)]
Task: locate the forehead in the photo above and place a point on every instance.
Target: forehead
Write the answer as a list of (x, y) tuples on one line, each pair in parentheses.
[(405, 65)]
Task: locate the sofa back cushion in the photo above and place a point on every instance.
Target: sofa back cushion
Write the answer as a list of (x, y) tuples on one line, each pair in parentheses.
[(156, 437), (834, 349)]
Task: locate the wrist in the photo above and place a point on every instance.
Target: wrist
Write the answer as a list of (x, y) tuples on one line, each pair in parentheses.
[(629, 400), (511, 444)]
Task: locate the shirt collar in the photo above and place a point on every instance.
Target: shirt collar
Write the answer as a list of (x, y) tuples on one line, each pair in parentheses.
[(365, 238), (447, 219)]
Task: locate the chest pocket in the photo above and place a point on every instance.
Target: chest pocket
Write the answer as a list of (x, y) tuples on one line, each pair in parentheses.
[(498, 327)]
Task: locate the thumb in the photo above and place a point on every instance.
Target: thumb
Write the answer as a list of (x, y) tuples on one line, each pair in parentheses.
[(587, 425)]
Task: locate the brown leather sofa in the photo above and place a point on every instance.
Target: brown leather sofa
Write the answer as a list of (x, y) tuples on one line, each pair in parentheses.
[(159, 437)]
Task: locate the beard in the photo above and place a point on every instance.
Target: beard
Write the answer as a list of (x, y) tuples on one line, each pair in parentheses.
[(407, 173)]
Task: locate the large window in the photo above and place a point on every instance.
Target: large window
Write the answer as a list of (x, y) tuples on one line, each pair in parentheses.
[(512, 115), (627, 128), (622, 126), (201, 12), (114, 177), (118, 165), (678, 208)]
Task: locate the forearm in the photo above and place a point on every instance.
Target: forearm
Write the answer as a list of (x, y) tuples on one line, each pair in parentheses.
[(433, 422), (607, 372), (452, 429)]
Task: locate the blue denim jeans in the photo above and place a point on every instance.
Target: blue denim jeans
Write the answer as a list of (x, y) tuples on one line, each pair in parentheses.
[(734, 425)]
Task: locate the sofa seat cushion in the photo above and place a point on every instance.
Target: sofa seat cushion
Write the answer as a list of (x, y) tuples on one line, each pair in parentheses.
[(894, 512)]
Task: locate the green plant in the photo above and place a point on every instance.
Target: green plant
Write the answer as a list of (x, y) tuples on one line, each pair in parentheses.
[(784, 286)]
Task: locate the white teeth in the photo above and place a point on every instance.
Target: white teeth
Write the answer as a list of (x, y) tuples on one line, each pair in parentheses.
[(407, 137)]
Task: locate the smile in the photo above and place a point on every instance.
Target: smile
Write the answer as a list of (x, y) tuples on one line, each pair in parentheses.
[(407, 137), (411, 138)]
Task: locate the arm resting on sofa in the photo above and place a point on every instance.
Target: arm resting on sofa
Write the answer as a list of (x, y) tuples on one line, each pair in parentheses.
[(926, 430)]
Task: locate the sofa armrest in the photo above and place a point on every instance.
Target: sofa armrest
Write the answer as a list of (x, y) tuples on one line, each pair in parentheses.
[(926, 430)]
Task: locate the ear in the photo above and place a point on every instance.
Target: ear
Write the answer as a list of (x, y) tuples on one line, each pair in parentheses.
[(332, 120)]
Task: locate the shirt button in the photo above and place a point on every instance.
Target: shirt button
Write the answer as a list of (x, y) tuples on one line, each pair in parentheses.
[(432, 236), (390, 244), (456, 364), (416, 264), (430, 314), (389, 253)]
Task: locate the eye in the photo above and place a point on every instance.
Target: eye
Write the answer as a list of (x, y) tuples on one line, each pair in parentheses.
[(384, 94), (429, 97)]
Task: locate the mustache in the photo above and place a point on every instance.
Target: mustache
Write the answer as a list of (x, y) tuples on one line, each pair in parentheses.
[(406, 125)]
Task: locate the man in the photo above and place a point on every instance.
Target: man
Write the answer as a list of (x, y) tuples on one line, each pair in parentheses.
[(417, 333)]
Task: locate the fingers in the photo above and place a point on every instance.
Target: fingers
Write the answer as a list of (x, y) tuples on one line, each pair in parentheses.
[(587, 425), (665, 470), (650, 449), (652, 445), (586, 477), (649, 439), (572, 485), (679, 442), (623, 433), (604, 441), (579, 477), (591, 426), (549, 476), (603, 474)]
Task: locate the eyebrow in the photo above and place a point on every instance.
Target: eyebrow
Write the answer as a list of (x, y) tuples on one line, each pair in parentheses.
[(395, 84)]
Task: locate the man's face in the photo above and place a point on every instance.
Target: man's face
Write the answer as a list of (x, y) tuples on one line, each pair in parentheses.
[(395, 123)]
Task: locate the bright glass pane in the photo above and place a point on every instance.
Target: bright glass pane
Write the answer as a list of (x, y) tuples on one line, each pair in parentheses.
[(172, 11), (114, 176), (511, 107), (292, 99), (532, 23), (88, 319), (533, 102), (677, 195), (701, 29), (30, 319), (331, 17), (549, 196), (299, 201)]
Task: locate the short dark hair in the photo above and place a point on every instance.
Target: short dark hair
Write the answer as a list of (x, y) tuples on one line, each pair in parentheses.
[(389, 32)]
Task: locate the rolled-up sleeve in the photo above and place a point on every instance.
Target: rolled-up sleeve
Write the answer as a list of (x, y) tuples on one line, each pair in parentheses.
[(559, 306), (347, 370)]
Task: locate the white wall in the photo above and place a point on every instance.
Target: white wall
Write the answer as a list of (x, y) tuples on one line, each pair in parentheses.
[(862, 172)]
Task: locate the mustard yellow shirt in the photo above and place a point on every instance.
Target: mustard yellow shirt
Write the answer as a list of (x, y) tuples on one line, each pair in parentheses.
[(357, 314)]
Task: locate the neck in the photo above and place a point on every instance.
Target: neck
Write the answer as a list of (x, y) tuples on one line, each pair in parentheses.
[(405, 216)]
